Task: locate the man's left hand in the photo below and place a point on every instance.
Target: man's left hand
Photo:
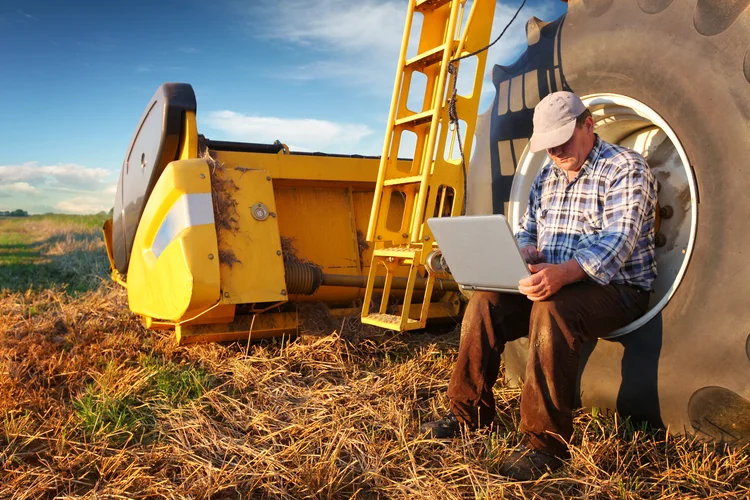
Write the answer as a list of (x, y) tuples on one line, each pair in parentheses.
[(547, 279)]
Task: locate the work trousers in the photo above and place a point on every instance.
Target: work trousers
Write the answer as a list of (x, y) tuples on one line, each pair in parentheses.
[(557, 328)]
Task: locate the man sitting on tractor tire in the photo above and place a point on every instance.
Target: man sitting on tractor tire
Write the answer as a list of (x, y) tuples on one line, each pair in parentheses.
[(588, 237)]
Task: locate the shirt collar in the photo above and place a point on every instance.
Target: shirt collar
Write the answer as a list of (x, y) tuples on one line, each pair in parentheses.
[(588, 165)]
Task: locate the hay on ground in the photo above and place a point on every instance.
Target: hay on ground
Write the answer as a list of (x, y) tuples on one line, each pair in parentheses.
[(93, 405)]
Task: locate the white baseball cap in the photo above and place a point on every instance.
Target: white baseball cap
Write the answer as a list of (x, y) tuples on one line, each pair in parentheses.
[(555, 120)]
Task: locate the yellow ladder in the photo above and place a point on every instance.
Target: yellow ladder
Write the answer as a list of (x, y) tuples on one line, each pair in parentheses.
[(433, 185)]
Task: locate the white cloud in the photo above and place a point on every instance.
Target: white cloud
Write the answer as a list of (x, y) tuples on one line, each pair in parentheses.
[(358, 42), (366, 25), (27, 15), (85, 204), (18, 187), (351, 42), (298, 133), (62, 175), (63, 187)]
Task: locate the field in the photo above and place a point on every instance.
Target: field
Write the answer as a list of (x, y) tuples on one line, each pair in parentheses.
[(93, 405)]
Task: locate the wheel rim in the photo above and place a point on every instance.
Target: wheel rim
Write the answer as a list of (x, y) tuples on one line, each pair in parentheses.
[(624, 120)]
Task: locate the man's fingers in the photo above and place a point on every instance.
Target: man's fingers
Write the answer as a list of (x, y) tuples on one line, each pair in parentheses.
[(533, 290), (536, 293), (535, 268), (531, 280), (538, 298)]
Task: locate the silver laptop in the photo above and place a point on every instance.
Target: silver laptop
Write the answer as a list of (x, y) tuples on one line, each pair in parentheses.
[(480, 251)]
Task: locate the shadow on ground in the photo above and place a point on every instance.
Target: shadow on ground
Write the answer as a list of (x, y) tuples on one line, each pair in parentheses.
[(75, 261)]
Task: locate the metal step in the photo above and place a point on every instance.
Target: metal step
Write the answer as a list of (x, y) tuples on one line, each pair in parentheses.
[(428, 5), (428, 58), (416, 119), (400, 181), (398, 252), (386, 320)]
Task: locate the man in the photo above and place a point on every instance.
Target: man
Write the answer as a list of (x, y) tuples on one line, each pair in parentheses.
[(588, 237)]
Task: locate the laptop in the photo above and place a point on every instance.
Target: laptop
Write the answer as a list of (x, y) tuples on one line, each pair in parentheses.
[(480, 251)]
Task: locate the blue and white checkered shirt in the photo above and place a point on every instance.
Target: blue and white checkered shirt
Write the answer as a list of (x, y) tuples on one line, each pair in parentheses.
[(604, 218)]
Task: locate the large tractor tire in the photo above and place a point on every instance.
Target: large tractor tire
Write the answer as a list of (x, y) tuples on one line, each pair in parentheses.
[(670, 78)]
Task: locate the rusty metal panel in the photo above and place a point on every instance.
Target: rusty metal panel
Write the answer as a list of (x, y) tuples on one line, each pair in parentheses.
[(252, 267)]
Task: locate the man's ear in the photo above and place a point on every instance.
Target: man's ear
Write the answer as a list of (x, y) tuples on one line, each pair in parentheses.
[(589, 123)]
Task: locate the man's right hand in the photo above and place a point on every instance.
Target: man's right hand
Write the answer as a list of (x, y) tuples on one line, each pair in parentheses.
[(532, 256)]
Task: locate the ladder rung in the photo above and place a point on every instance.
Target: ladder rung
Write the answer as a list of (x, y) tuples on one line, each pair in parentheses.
[(416, 119), (428, 5), (400, 181), (432, 56), (400, 252), (385, 320)]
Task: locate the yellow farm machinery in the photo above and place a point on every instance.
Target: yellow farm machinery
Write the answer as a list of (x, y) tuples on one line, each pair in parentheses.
[(222, 240)]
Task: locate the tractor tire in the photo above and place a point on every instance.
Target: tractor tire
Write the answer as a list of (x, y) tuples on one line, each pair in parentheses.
[(688, 60)]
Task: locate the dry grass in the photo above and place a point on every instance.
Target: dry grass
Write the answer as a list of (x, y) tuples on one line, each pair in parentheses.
[(93, 405)]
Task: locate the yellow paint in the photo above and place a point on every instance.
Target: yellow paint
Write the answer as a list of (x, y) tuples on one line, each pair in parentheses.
[(321, 202), (260, 326), (246, 327), (184, 280), (189, 137), (433, 184), (305, 167), (259, 274)]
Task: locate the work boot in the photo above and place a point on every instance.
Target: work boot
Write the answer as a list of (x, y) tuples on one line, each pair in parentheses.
[(525, 464), (446, 427)]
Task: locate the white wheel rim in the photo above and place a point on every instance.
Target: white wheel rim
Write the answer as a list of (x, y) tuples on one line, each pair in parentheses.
[(611, 110)]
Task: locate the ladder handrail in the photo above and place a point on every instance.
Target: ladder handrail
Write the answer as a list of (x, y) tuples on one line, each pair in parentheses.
[(437, 104), (384, 157), (408, 247)]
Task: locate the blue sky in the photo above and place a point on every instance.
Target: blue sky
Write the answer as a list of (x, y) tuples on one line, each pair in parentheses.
[(75, 77)]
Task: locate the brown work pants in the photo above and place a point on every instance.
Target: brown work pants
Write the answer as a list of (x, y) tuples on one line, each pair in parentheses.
[(557, 327)]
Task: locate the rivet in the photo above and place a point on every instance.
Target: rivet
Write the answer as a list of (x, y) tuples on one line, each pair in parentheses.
[(427, 238), (380, 237), (278, 252), (404, 235), (272, 214), (268, 177), (203, 176), (211, 256), (226, 294), (283, 292)]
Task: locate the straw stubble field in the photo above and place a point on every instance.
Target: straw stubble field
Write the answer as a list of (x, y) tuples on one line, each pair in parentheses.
[(93, 405)]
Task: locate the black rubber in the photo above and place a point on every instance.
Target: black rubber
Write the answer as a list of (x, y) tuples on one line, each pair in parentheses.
[(687, 60), (155, 143)]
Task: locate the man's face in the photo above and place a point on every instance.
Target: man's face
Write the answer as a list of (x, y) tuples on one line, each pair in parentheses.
[(571, 155)]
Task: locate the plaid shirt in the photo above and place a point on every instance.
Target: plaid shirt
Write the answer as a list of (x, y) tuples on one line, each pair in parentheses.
[(604, 218)]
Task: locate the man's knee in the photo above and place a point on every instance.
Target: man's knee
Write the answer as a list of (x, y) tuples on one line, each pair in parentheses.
[(482, 300), (555, 317), (551, 307), (478, 309), (546, 312), (565, 304)]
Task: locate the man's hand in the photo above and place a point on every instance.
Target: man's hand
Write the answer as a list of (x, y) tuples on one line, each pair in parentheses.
[(532, 256), (549, 278)]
